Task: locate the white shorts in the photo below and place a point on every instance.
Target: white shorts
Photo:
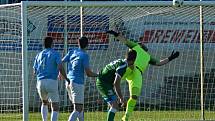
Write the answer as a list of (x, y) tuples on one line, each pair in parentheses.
[(76, 93), (48, 90)]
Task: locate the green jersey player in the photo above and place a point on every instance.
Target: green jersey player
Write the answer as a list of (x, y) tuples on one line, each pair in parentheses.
[(142, 61), (108, 81)]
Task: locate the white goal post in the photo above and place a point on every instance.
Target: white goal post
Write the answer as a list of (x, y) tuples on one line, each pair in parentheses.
[(184, 89)]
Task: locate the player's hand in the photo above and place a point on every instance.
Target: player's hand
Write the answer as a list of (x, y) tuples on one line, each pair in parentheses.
[(122, 102), (173, 55), (60, 77), (113, 33)]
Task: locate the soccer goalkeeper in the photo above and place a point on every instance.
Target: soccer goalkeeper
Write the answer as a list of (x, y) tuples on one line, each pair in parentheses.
[(108, 81), (142, 61)]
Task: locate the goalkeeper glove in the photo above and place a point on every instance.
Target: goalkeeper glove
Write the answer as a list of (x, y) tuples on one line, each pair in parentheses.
[(173, 55), (113, 33)]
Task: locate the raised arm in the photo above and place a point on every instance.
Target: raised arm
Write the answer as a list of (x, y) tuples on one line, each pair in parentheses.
[(164, 61), (121, 38)]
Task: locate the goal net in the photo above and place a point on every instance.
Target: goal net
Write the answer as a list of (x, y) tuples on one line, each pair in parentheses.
[(169, 92)]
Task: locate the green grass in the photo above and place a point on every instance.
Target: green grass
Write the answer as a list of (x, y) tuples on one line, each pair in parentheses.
[(137, 116)]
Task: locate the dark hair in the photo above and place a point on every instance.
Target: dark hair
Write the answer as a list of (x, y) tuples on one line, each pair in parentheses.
[(47, 42), (83, 42), (131, 55)]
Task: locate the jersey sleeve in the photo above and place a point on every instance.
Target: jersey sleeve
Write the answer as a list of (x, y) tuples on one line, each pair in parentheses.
[(153, 60), (121, 70), (131, 44), (66, 57), (86, 61)]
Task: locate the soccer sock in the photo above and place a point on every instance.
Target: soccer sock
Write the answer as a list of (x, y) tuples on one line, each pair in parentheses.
[(54, 116), (130, 106), (73, 116), (111, 114), (44, 112), (81, 116)]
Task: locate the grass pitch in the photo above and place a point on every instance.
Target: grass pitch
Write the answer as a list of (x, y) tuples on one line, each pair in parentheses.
[(136, 116)]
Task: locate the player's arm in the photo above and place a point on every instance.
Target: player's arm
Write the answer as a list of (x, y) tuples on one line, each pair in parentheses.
[(62, 72), (87, 68), (121, 38), (90, 73), (118, 88), (61, 68), (164, 61), (35, 66)]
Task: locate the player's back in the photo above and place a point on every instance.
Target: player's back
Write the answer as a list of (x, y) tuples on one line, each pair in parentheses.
[(107, 74), (46, 64), (142, 59), (78, 61)]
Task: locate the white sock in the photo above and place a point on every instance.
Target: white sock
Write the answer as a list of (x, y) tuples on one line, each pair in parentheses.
[(44, 112), (73, 116), (81, 116), (54, 116)]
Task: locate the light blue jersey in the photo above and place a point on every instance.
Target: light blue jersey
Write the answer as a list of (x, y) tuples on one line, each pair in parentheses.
[(46, 64), (77, 60)]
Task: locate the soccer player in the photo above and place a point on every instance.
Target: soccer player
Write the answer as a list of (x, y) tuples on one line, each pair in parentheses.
[(142, 61), (78, 64), (47, 65), (108, 81)]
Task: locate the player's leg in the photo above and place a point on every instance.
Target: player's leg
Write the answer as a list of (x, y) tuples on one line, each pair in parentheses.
[(113, 109), (52, 88), (135, 85), (79, 109), (44, 110), (80, 100), (108, 93), (76, 95), (44, 98), (55, 111), (74, 114)]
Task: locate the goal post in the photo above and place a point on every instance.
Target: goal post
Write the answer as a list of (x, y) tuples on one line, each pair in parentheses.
[(175, 91), (24, 62)]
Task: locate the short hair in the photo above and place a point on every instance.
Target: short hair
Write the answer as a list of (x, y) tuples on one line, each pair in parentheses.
[(83, 42), (131, 55), (47, 42)]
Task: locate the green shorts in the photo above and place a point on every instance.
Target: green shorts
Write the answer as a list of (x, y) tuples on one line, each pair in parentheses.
[(135, 82), (106, 90)]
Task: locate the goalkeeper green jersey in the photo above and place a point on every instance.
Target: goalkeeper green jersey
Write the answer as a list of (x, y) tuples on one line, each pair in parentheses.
[(143, 58), (107, 74)]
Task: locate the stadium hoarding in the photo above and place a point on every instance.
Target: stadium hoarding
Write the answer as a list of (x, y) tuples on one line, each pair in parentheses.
[(94, 28), (54, 26)]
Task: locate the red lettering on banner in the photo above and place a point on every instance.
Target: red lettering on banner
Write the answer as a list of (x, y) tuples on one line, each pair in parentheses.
[(177, 36), (167, 35), (157, 36)]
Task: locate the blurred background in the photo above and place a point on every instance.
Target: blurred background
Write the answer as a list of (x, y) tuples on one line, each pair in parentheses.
[(18, 1)]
